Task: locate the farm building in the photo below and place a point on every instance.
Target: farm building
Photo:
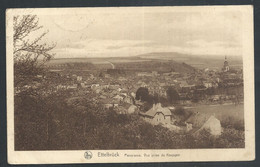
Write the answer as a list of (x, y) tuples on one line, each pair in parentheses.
[(157, 115)]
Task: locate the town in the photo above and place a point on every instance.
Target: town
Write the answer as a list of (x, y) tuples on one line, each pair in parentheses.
[(132, 87)]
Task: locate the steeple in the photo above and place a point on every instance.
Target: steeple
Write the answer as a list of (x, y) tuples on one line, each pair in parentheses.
[(226, 66)]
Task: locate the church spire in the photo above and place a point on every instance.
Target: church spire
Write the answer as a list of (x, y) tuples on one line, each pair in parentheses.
[(226, 66)]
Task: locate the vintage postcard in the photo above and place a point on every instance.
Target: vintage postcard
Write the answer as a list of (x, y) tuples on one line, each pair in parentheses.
[(130, 84)]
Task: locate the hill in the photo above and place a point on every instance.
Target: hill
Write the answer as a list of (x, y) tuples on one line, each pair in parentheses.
[(136, 63), (157, 65), (198, 61)]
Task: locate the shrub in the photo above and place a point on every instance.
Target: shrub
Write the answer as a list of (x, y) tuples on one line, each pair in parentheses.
[(49, 123), (232, 122)]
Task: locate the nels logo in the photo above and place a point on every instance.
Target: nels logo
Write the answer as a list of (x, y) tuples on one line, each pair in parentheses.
[(88, 155)]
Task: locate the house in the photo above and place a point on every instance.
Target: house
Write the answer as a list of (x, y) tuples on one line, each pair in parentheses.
[(79, 78), (144, 74), (83, 85), (128, 99), (61, 87), (123, 108), (157, 115), (133, 94), (154, 73), (74, 86), (92, 76), (102, 97), (141, 83), (109, 103), (212, 125), (122, 79), (183, 83), (114, 86), (39, 76), (107, 76), (207, 84), (132, 109), (93, 86), (118, 97), (162, 84), (175, 74)]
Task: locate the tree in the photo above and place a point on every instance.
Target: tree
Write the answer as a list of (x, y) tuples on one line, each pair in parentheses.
[(101, 75), (29, 52), (172, 95), (156, 98), (142, 94)]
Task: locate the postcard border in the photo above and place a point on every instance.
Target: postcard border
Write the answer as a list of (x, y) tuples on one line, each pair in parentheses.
[(186, 155)]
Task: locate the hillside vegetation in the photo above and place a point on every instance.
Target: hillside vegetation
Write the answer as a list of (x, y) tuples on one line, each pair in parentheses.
[(131, 64), (51, 123)]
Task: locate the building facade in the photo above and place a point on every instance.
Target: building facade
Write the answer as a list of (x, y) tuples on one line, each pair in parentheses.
[(157, 115)]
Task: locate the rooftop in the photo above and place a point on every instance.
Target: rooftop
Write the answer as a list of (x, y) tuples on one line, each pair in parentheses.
[(157, 108)]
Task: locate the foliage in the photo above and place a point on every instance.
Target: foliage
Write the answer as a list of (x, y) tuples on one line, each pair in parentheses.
[(195, 98), (172, 95), (231, 122), (164, 101), (230, 138), (181, 115), (142, 94), (53, 123), (28, 49)]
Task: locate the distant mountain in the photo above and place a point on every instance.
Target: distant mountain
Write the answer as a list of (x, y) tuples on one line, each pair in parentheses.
[(160, 65), (160, 61), (165, 55)]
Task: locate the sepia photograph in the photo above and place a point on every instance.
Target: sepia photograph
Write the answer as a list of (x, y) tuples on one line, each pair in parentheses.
[(135, 80)]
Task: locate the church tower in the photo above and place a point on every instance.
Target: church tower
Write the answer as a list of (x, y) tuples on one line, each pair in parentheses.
[(226, 66)]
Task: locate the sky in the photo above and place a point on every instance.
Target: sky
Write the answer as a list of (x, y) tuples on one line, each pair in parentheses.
[(123, 32)]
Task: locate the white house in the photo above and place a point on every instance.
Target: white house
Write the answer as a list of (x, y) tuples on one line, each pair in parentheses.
[(157, 115)]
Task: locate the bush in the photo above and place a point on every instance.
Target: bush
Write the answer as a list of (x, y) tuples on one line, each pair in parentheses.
[(49, 123), (230, 138), (232, 122)]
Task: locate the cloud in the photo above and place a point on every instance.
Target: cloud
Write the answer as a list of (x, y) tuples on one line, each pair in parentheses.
[(204, 43), (115, 47), (132, 31), (123, 48), (101, 47), (72, 45), (203, 47)]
